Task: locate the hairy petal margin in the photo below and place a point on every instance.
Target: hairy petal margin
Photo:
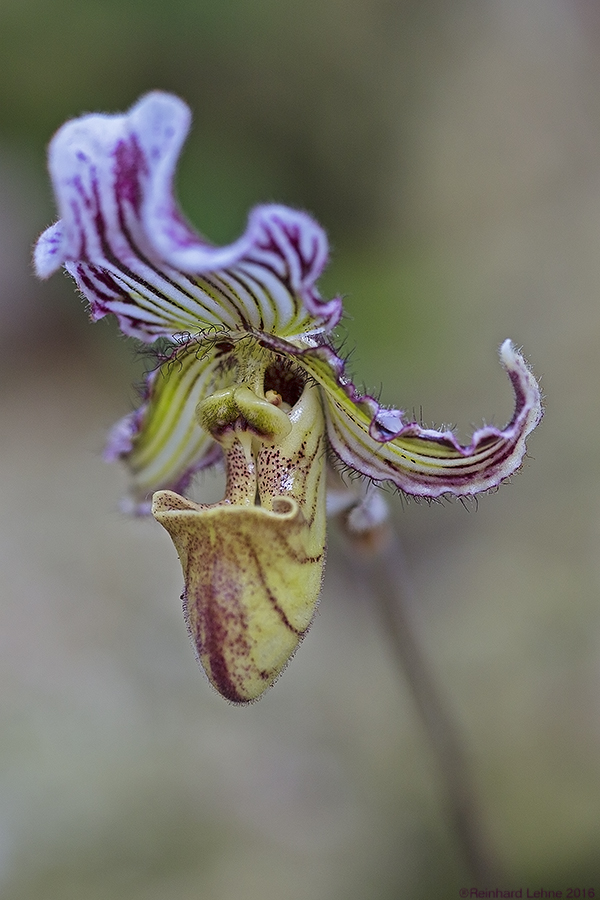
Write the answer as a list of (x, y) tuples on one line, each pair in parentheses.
[(378, 443)]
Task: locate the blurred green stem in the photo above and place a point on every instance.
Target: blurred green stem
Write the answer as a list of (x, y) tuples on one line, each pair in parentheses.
[(382, 564)]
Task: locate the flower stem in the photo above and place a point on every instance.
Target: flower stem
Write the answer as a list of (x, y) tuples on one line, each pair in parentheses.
[(383, 562)]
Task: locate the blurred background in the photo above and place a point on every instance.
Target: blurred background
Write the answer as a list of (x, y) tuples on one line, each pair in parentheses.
[(452, 152)]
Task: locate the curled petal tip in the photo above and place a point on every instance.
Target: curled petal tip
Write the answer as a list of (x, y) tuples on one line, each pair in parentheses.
[(48, 256), (528, 398)]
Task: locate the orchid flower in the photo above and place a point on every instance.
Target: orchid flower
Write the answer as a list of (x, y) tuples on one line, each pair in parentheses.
[(252, 378)]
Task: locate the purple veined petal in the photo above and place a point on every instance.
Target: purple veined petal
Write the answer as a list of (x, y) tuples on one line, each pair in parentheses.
[(131, 252), (379, 444), (161, 442)]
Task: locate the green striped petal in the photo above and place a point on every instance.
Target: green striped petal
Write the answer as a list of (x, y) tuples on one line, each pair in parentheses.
[(162, 443), (380, 444)]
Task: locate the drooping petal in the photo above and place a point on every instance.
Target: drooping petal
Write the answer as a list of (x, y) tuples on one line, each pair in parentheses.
[(253, 563), (161, 442), (123, 239), (378, 443)]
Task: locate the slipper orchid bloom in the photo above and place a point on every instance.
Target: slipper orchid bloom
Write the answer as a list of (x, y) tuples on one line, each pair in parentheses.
[(252, 378)]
